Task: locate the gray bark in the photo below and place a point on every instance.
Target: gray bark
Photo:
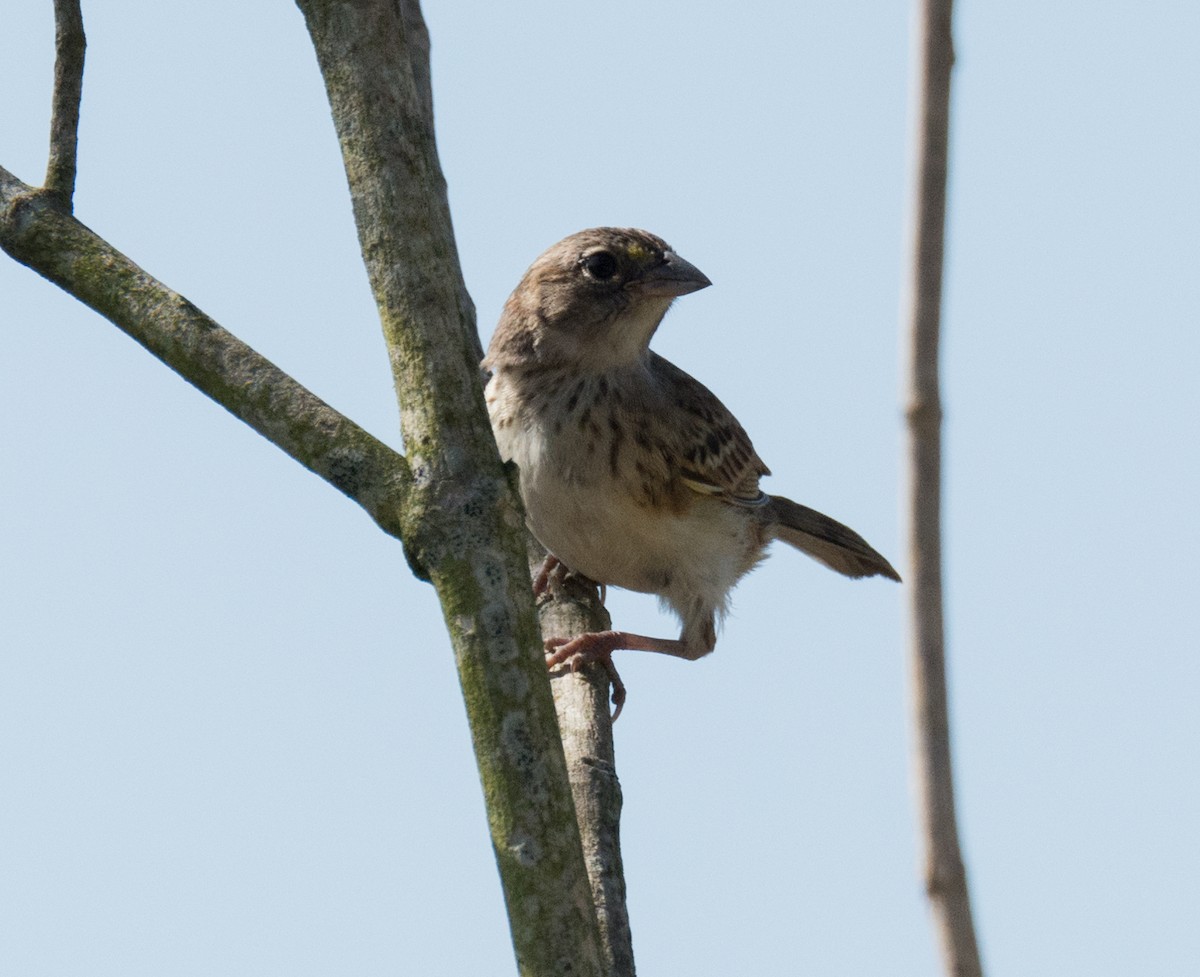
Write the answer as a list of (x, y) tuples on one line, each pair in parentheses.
[(582, 701), (448, 500), (944, 871), (36, 231), (69, 47), (463, 526)]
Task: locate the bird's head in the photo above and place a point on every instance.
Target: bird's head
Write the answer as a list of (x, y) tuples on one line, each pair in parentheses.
[(592, 301)]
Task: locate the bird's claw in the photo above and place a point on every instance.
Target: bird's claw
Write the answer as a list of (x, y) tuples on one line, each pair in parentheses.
[(584, 649), (549, 577), (553, 574)]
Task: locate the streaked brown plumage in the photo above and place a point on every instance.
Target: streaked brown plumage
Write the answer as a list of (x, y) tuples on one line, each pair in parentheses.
[(632, 472)]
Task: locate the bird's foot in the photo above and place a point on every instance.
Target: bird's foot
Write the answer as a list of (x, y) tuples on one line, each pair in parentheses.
[(583, 649), (548, 579), (552, 575)]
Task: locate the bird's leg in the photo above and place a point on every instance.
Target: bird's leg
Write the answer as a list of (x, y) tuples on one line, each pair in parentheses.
[(598, 646)]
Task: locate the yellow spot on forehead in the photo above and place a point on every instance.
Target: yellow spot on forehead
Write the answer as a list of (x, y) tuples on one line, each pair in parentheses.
[(638, 251)]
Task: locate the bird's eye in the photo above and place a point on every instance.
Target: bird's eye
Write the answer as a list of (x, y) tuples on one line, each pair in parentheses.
[(600, 265)]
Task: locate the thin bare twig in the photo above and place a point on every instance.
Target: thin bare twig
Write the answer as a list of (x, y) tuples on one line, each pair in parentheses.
[(448, 501), (945, 873), (69, 47), (56, 246)]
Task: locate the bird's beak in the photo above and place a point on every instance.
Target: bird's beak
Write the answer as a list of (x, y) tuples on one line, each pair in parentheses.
[(672, 278)]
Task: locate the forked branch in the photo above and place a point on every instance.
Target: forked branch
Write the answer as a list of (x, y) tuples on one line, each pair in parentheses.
[(466, 527), (449, 501), (58, 247)]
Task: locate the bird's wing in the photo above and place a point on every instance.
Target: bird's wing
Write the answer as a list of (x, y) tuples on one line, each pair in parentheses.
[(714, 453)]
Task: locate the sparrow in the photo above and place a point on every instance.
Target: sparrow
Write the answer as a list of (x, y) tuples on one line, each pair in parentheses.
[(632, 473)]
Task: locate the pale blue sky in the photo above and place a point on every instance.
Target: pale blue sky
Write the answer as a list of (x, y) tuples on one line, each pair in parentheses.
[(231, 740)]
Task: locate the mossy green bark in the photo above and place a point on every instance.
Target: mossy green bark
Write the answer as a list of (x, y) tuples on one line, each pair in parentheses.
[(464, 532), (449, 500), (463, 526), (35, 230)]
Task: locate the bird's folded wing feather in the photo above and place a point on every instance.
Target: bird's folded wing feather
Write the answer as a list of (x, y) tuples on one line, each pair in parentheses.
[(715, 455)]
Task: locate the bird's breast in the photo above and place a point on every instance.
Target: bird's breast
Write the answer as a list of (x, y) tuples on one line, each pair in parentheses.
[(601, 494)]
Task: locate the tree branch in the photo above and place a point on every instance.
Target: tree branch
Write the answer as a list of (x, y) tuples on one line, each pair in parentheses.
[(581, 700), (38, 234), (464, 524), (460, 523), (945, 873), (69, 47)]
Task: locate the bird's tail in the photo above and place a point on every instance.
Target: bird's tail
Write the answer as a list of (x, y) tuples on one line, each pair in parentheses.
[(826, 540)]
